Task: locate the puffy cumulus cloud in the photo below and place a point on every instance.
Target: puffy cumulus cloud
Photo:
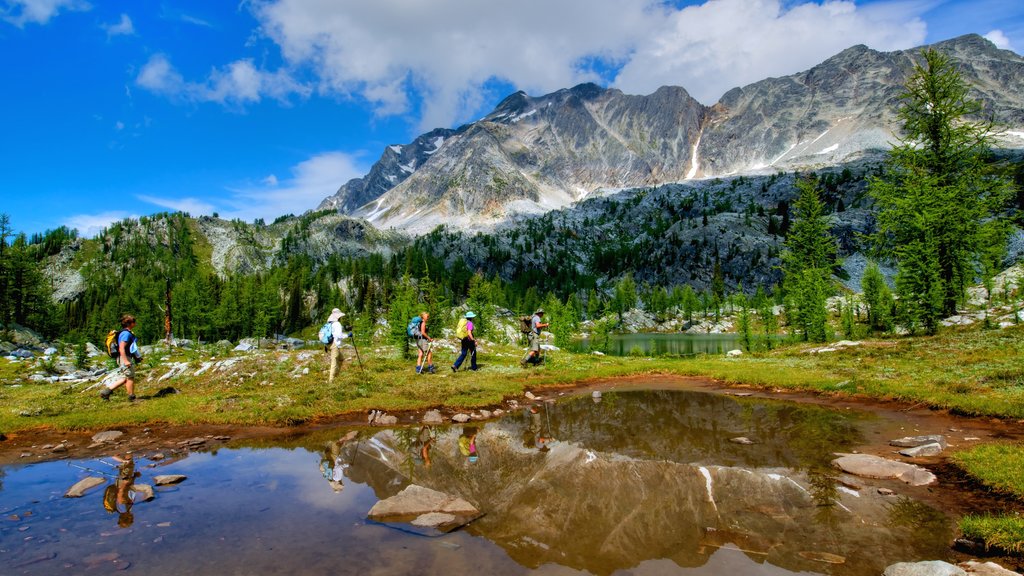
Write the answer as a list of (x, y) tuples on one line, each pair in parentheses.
[(998, 38), (445, 51), (711, 48), (89, 225), (123, 27), (238, 83), (311, 181), (21, 12)]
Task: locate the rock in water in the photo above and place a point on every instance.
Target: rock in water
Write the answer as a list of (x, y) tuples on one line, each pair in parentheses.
[(424, 507), (166, 479), (83, 486), (930, 449), (931, 568), (914, 441), (986, 569), (143, 492), (869, 466), (433, 417)]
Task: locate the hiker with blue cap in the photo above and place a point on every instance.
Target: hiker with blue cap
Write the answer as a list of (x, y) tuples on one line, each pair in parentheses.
[(464, 332)]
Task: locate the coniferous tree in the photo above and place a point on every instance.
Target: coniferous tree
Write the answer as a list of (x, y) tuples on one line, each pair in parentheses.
[(807, 262), (940, 198), (878, 299)]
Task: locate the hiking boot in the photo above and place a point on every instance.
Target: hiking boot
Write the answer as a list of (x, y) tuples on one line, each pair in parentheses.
[(430, 368), (419, 369), (131, 397), (105, 393), (454, 369)]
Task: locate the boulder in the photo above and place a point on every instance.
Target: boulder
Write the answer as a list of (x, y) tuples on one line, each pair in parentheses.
[(930, 449), (83, 486), (742, 440), (986, 569), (107, 436), (386, 420), (168, 479), (734, 353), (49, 351), (143, 492), (423, 507), (914, 441), (868, 466), (433, 417), (461, 418), (929, 568), (245, 347)]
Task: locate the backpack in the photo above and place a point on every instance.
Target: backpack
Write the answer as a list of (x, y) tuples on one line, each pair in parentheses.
[(112, 345), (462, 330), (413, 329), (326, 334), (526, 324)]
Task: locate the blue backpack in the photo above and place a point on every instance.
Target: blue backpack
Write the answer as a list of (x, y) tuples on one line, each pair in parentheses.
[(326, 334), (413, 329)]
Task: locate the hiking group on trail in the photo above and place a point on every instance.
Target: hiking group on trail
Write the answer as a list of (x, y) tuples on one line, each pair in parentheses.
[(122, 346)]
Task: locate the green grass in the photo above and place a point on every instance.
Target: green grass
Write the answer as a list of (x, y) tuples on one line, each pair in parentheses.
[(968, 371), (997, 466), (1003, 532)]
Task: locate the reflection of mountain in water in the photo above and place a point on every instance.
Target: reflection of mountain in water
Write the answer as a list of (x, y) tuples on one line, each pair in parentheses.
[(653, 475)]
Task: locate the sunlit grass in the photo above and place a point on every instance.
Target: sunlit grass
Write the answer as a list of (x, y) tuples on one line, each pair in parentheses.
[(1003, 532), (998, 466)]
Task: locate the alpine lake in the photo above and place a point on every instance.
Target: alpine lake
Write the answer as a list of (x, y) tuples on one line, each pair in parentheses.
[(635, 481)]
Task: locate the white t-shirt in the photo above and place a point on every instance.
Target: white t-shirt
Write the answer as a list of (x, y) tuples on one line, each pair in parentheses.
[(338, 333)]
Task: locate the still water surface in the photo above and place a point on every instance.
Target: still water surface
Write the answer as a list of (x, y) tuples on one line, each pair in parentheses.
[(663, 344), (644, 482)]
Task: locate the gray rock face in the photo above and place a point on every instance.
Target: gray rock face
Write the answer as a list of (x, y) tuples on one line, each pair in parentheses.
[(107, 436), (931, 568), (869, 466), (83, 486), (930, 449), (539, 153), (425, 508), (913, 441)]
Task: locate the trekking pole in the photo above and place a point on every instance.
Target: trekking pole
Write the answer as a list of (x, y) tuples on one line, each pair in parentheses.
[(356, 348), (100, 472)]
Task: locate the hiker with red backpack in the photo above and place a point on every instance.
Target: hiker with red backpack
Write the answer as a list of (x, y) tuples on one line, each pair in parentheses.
[(125, 349)]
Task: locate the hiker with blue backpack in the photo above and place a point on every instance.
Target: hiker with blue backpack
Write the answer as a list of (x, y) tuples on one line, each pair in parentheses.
[(417, 329), (332, 335)]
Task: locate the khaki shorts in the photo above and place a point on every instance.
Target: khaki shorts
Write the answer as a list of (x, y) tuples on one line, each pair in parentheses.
[(534, 339), (423, 344), (127, 371)]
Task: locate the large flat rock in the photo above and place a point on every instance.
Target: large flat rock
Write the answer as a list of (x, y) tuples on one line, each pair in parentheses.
[(83, 486), (930, 568), (425, 508), (914, 441), (868, 466)]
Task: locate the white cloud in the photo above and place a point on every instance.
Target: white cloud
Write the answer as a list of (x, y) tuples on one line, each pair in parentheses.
[(89, 225), (238, 83), (446, 51), (124, 27), (312, 180), (722, 44), (998, 38), (119, 126), (21, 12), (192, 206)]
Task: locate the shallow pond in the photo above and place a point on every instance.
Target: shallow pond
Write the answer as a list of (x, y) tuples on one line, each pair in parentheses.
[(663, 344), (643, 482)]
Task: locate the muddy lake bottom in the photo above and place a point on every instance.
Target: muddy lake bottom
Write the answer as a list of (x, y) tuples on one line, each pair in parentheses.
[(641, 482)]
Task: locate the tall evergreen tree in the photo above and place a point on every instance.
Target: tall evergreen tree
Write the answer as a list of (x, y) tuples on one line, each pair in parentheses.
[(807, 262), (940, 199)]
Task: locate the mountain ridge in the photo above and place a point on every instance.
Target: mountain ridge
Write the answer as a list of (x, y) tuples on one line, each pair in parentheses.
[(534, 154)]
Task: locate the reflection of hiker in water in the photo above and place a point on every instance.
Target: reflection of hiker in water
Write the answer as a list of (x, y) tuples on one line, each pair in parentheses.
[(117, 495), (331, 464), (467, 443), (537, 435), (421, 447)]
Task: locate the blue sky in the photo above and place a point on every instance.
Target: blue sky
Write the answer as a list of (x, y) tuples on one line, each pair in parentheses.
[(259, 108)]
